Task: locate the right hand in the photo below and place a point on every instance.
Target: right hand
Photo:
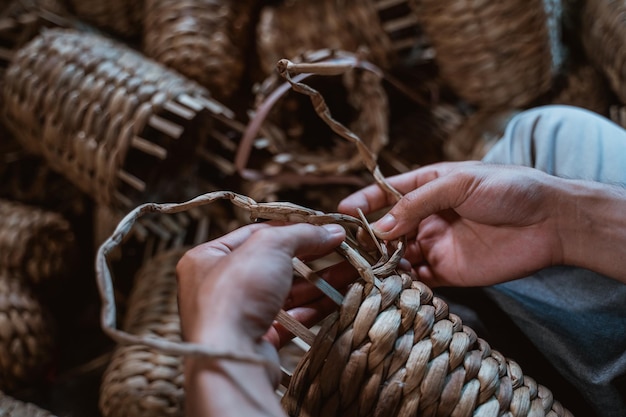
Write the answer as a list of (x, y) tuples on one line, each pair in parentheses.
[(469, 223)]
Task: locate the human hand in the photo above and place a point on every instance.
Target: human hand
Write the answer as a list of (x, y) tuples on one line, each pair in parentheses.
[(469, 223)]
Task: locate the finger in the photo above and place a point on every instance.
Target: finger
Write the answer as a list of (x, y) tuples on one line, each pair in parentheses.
[(373, 197)]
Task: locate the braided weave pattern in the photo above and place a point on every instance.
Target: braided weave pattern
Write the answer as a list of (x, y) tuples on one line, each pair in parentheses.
[(141, 381), (203, 40), (396, 351), (34, 243), (26, 336), (96, 110), (493, 53), (11, 407)]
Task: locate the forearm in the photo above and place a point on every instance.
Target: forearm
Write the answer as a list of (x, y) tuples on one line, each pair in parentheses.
[(229, 388), (592, 226)]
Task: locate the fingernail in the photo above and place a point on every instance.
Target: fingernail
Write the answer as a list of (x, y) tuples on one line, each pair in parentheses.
[(334, 229), (385, 224)]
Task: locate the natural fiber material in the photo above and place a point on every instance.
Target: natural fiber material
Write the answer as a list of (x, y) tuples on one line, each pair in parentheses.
[(396, 351), (119, 126), (34, 243), (26, 335), (122, 17), (387, 29), (205, 40), (140, 381), (603, 32), (584, 86), (494, 54), (11, 407)]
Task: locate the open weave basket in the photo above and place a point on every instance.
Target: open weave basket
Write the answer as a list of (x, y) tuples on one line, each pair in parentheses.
[(26, 335), (388, 29), (11, 407), (205, 40), (140, 381), (122, 17), (494, 53), (34, 243), (115, 123), (603, 31)]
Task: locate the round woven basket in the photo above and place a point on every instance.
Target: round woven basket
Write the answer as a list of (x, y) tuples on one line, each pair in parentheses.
[(122, 17), (141, 381), (584, 86), (602, 32), (388, 29), (494, 54), (11, 407), (396, 351), (204, 40), (26, 335), (34, 243), (116, 124)]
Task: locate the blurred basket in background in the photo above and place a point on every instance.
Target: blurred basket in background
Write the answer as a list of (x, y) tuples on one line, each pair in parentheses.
[(204, 40), (11, 407), (122, 128), (495, 54), (120, 17)]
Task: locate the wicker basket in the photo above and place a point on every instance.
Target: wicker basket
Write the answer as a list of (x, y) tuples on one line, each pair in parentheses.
[(494, 54), (34, 243), (122, 17), (140, 381), (388, 29), (11, 407), (205, 40), (119, 126), (584, 86), (26, 335), (603, 31)]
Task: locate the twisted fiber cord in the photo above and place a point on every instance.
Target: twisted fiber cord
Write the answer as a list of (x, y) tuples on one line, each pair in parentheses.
[(204, 40), (139, 380), (79, 99), (26, 334), (11, 407), (34, 243), (396, 351), (602, 34), (492, 53)]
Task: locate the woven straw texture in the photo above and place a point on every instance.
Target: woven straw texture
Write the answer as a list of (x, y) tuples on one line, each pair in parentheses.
[(110, 120), (494, 53), (11, 407), (603, 32), (26, 335), (141, 381), (34, 243), (122, 17), (204, 40), (396, 351), (585, 86), (387, 29)]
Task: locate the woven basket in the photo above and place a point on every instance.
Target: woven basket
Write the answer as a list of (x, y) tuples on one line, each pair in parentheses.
[(34, 243), (584, 86), (388, 29), (494, 54), (122, 17), (26, 335), (204, 40), (603, 31), (140, 381), (11, 407), (116, 124)]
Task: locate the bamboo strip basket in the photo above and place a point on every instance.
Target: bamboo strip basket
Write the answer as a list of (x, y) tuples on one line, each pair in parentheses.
[(391, 349), (116, 124), (11, 407), (140, 381), (27, 339), (602, 32), (494, 54), (35, 243), (204, 40), (388, 29), (121, 17)]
